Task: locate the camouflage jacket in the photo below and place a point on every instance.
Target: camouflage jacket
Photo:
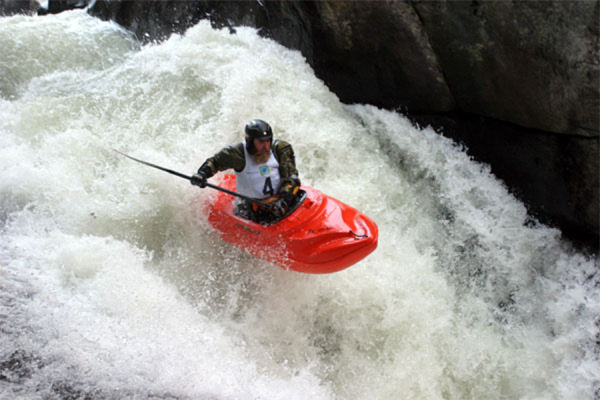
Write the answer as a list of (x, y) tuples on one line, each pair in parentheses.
[(233, 157)]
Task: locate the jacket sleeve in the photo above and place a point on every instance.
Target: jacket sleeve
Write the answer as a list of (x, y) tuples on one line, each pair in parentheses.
[(226, 158), (287, 167)]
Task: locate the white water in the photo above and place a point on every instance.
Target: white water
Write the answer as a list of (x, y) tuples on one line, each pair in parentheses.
[(113, 285)]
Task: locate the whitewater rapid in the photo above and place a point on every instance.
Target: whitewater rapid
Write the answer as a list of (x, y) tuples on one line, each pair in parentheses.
[(113, 285)]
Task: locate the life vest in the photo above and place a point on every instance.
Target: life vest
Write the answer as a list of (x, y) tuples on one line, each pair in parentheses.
[(258, 181)]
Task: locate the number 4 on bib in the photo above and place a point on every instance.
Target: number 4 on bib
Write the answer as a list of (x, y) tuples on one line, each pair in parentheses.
[(268, 188)]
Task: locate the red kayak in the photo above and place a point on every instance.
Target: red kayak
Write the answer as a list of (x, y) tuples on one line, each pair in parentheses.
[(321, 235)]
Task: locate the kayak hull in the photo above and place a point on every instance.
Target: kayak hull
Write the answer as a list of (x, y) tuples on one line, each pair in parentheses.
[(322, 235)]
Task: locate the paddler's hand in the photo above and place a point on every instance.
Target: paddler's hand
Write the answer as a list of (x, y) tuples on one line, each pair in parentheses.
[(280, 207), (199, 179)]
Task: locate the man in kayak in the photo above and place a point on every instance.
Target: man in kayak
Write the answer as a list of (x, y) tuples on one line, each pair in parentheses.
[(265, 170)]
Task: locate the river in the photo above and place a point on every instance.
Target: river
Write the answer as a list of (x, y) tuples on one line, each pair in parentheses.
[(113, 285)]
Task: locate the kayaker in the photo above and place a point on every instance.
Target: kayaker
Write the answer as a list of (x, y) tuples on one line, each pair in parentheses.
[(265, 170)]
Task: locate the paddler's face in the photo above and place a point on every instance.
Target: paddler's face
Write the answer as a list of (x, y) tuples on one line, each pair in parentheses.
[(263, 147)]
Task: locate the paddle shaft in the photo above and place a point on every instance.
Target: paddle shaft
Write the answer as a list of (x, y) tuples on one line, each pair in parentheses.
[(189, 178)]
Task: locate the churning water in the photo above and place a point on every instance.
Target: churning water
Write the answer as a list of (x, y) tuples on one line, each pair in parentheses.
[(113, 285)]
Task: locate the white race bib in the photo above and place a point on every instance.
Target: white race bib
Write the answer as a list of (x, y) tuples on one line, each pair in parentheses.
[(258, 181)]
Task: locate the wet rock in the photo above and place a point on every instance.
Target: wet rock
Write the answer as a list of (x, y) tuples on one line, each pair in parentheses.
[(58, 6), (533, 63), (12, 7)]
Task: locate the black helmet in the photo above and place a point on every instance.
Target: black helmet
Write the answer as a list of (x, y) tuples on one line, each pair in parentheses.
[(257, 129)]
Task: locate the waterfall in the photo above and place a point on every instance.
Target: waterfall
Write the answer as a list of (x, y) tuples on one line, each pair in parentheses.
[(113, 285)]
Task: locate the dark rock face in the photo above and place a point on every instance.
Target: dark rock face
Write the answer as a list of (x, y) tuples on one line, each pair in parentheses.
[(58, 6), (12, 7), (533, 63), (378, 53)]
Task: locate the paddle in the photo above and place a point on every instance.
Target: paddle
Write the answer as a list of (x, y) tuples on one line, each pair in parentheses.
[(189, 178)]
